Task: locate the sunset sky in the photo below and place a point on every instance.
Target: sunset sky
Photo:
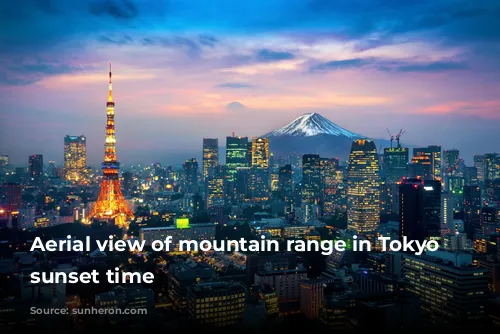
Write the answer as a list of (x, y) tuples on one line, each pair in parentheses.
[(184, 70)]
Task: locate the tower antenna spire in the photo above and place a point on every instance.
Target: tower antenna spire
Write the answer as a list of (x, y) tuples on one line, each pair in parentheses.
[(110, 89)]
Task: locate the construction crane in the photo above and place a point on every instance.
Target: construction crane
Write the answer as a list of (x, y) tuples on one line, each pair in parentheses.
[(390, 135), (398, 137)]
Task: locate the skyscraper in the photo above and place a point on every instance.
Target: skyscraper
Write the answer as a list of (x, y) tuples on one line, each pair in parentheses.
[(311, 178), (363, 187), (111, 204), (470, 176), (36, 166), (190, 170), (285, 185), (329, 185), (472, 209), (236, 155), (210, 156), (75, 159), (12, 192), (260, 152), (434, 154), (492, 170), (451, 159), (420, 209), (480, 164), (259, 171), (395, 164), (215, 188)]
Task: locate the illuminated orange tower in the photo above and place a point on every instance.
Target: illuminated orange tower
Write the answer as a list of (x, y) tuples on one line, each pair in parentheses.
[(111, 204)]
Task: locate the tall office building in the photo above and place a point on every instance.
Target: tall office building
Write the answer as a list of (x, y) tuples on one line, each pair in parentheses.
[(480, 164), (258, 185), (492, 168), (420, 209), (12, 192), (451, 159), (218, 304), (470, 176), (236, 155), (210, 156), (395, 164), (472, 210), (128, 181), (260, 152), (447, 204), (311, 298), (363, 187), (190, 171), (311, 178), (36, 166), (75, 159), (285, 187), (421, 166), (450, 287), (215, 188), (434, 154), (330, 185)]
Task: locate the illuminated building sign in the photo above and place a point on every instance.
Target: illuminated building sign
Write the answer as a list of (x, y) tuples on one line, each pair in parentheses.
[(182, 223)]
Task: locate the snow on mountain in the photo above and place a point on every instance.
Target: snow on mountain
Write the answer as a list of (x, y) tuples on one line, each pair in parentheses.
[(312, 124)]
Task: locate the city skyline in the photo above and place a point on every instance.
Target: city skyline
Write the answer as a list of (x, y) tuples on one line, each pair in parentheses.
[(432, 70)]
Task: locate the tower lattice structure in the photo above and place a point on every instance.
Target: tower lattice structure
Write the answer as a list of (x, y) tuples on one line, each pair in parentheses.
[(111, 204)]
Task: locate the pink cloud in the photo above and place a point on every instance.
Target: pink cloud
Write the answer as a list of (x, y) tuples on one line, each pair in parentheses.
[(477, 108)]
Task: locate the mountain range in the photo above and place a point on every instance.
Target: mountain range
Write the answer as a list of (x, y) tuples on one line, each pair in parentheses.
[(313, 133)]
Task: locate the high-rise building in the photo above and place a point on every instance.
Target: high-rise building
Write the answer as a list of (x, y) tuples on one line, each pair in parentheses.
[(472, 210), (111, 204), (260, 152), (363, 187), (389, 198), (311, 298), (236, 155), (210, 156), (311, 178), (190, 175), (450, 287), (455, 185), (259, 184), (420, 209), (128, 181), (395, 164), (480, 164), (447, 204), (492, 170), (215, 188), (12, 192), (434, 154), (451, 159), (470, 176), (330, 185), (421, 166), (36, 166), (285, 186), (75, 159), (218, 304)]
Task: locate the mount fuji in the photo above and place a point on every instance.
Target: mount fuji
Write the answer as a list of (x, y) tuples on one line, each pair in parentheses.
[(313, 133)]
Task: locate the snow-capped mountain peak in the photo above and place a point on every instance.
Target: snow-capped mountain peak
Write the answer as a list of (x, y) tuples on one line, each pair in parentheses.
[(312, 124)]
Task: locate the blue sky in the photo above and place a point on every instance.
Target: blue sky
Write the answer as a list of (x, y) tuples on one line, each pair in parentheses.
[(185, 70)]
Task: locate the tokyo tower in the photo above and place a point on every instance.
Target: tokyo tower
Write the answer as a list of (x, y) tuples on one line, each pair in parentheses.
[(111, 204)]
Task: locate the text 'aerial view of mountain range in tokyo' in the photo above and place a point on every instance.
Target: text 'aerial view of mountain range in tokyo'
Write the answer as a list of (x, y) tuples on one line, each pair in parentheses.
[(250, 166)]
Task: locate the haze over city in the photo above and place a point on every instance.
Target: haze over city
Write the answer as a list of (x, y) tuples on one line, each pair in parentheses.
[(184, 70)]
